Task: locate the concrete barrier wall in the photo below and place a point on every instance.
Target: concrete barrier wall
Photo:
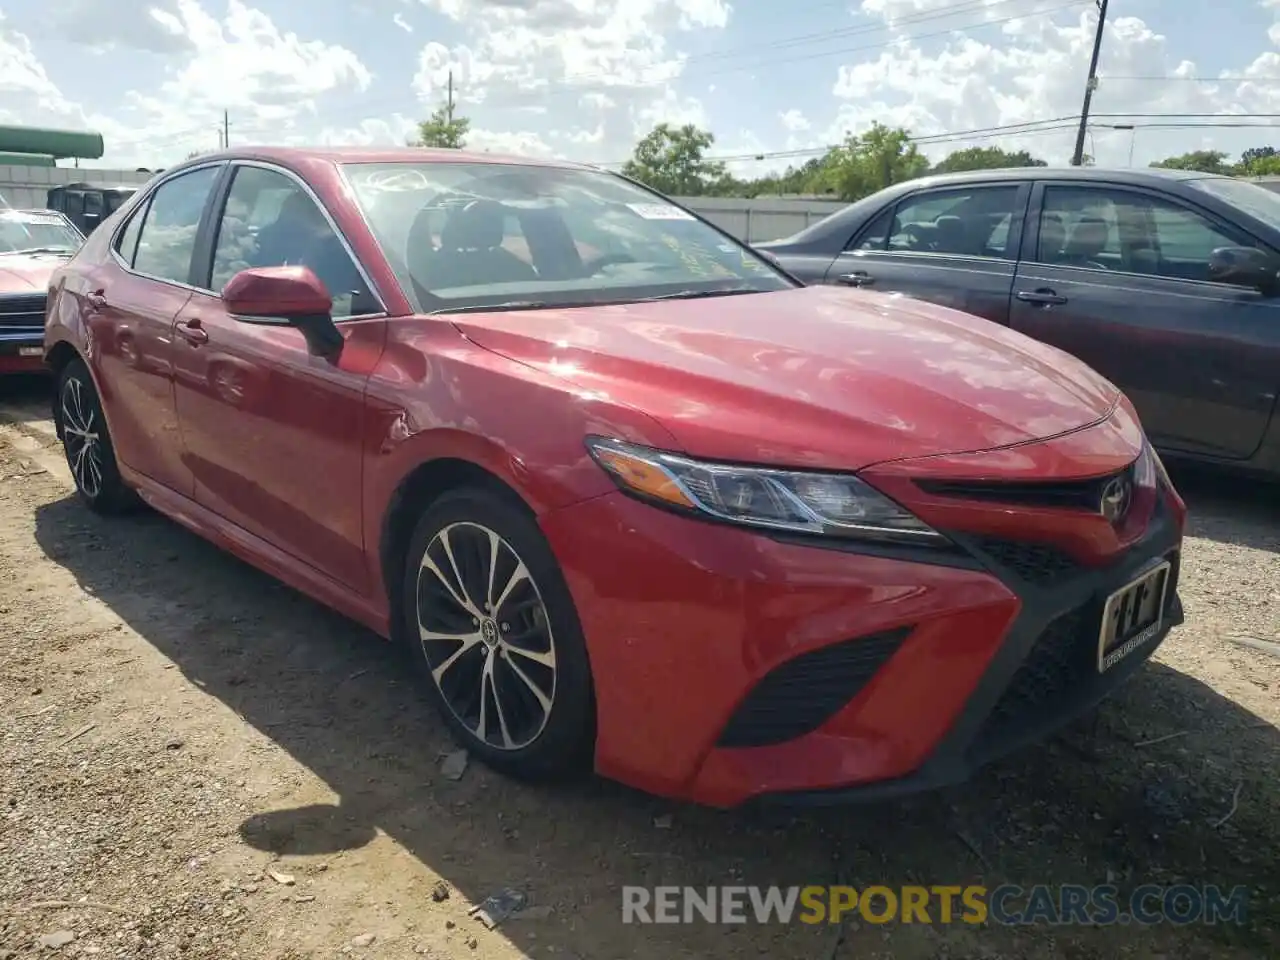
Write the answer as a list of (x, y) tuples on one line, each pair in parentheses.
[(29, 186), (764, 218)]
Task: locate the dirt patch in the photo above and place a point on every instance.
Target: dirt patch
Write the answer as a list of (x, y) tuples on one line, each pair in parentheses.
[(202, 763)]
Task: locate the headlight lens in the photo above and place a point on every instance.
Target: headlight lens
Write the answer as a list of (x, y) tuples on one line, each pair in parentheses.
[(828, 504)]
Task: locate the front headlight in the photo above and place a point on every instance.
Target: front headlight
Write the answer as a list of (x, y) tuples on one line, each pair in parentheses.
[(828, 504)]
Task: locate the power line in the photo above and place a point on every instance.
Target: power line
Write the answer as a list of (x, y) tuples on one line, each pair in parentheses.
[(565, 89)]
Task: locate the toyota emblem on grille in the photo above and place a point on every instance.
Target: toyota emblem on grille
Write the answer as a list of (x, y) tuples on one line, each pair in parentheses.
[(1115, 500)]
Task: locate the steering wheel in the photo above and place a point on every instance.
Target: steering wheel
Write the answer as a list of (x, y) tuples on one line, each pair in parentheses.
[(592, 267)]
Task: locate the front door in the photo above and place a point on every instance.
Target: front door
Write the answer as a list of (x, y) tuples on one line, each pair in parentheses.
[(954, 246), (128, 304), (274, 434), (1119, 278)]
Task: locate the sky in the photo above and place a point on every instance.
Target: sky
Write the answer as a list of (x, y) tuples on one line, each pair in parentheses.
[(584, 79)]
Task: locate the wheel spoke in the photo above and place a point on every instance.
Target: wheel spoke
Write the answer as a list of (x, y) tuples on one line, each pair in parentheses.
[(547, 659), (543, 700), (466, 641), (459, 598), (518, 576), (495, 544)]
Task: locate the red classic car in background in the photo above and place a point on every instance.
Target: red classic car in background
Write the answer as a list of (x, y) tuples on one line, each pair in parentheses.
[(33, 243)]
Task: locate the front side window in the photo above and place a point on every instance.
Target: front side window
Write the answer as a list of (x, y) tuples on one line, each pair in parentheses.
[(968, 222), (168, 236), (1119, 230), (27, 230), (477, 234), (271, 221)]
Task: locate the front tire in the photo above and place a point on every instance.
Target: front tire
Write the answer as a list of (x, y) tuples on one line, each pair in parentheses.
[(494, 629), (87, 444)]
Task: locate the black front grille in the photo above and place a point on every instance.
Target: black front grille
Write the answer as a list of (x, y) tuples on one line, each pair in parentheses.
[(22, 310), (1061, 660), (1036, 563), (1068, 494), (804, 693)]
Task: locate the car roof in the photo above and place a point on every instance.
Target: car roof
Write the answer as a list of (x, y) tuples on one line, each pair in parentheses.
[(1131, 175), (289, 156)]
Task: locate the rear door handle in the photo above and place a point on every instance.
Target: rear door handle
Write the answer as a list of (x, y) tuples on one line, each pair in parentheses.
[(97, 299), (1043, 296), (192, 332), (859, 278)]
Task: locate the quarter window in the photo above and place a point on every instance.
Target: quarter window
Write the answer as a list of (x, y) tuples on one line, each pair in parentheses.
[(169, 231), (1109, 229), (970, 222), (127, 242), (271, 221)]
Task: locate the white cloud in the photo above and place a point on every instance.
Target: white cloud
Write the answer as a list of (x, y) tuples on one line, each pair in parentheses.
[(400, 22), (794, 121)]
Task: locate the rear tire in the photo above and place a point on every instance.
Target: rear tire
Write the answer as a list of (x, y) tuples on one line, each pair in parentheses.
[(87, 444), (493, 628)]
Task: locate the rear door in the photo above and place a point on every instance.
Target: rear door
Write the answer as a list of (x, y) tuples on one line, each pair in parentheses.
[(1118, 276), (954, 246), (128, 303)]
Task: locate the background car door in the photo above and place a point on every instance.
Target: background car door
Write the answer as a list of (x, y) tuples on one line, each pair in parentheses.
[(273, 432), (129, 302), (955, 246), (1119, 278)]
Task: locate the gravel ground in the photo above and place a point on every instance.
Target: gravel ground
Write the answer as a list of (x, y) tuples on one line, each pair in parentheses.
[(202, 763)]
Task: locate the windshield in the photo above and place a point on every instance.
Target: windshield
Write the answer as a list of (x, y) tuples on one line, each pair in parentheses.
[(21, 230), (467, 235), (1254, 200)]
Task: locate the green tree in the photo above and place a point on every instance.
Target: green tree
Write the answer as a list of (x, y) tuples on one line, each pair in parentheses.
[(673, 161), (1258, 161), (986, 158), (443, 130), (1202, 161), (871, 161)]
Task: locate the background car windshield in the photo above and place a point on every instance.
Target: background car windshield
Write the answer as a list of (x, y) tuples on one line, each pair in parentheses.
[(477, 233), (1252, 199), (30, 231)]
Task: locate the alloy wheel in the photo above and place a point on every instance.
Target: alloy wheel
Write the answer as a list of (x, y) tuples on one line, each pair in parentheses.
[(81, 438), (486, 636)]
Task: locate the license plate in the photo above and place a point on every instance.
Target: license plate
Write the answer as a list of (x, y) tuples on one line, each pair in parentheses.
[(31, 351), (1132, 616)]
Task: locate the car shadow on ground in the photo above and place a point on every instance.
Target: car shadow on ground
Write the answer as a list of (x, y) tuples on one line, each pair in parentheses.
[(1140, 793)]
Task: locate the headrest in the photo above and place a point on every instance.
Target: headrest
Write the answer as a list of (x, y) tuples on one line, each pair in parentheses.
[(1089, 235), (480, 225)]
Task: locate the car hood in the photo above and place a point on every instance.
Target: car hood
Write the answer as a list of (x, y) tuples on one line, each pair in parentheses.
[(25, 273), (814, 376)]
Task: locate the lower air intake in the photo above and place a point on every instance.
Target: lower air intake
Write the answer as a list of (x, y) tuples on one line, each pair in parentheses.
[(802, 694)]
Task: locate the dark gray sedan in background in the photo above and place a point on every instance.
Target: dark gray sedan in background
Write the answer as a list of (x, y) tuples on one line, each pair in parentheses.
[(1167, 282)]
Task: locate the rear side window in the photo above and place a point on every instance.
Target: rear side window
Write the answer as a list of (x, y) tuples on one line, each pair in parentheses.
[(168, 236)]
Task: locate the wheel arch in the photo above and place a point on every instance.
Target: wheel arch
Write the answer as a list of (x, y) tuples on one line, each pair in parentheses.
[(60, 356), (421, 487)]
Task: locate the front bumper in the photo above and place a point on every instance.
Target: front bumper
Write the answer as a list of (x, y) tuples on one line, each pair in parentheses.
[(21, 350), (908, 675)]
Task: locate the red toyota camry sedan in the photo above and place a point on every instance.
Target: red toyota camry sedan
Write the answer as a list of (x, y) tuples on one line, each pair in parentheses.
[(636, 499)]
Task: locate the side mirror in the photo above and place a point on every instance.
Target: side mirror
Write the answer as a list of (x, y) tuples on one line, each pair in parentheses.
[(1245, 267), (292, 295)]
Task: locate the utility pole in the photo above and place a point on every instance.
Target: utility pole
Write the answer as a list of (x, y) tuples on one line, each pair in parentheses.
[(1078, 157), (449, 105), (226, 124)]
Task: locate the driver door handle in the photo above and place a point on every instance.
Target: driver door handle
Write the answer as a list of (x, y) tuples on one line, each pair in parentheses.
[(859, 278), (192, 331), (1043, 295)]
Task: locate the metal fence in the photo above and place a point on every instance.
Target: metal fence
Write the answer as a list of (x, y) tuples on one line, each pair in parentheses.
[(761, 218)]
